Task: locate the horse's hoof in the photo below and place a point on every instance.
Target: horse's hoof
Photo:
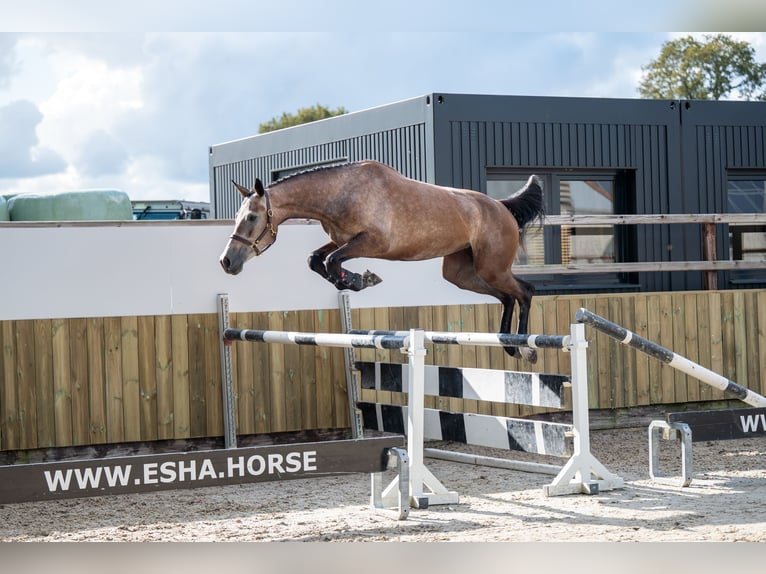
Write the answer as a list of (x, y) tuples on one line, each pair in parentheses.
[(529, 354), (369, 279)]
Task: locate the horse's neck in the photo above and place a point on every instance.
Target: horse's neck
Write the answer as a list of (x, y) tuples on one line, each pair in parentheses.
[(289, 201)]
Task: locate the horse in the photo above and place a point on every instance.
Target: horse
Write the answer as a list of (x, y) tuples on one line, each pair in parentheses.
[(370, 210)]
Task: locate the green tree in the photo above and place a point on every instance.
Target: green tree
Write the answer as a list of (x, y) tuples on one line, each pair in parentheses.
[(715, 68), (302, 116)]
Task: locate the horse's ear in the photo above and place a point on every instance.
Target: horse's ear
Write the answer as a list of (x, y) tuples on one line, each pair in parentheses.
[(258, 187), (243, 190)]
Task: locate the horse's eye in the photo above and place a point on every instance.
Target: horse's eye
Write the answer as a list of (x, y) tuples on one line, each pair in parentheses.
[(251, 217)]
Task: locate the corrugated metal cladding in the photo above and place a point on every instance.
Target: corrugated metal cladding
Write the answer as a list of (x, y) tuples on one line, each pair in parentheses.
[(402, 148), (676, 155)]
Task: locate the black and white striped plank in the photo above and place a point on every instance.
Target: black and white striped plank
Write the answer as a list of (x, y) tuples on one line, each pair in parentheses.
[(679, 362), (539, 437), (535, 389), (319, 339), (482, 339)]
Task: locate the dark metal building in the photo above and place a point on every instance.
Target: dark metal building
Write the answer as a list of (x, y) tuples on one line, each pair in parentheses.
[(595, 156)]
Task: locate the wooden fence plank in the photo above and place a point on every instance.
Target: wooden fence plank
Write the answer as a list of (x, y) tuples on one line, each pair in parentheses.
[(665, 339), (751, 340), (293, 383), (214, 398), (761, 354), (679, 344), (641, 327), (115, 420), (277, 375), (704, 341), (603, 363), (10, 430), (62, 388), (692, 335), (307, 367), (727, 332), (628, 360), (242, 375), (620, 379), (44, 393), (716, 344), (197, 396), (261, 384), (25, 363), (78, 362), (147, 377), (740, 338), (181, 387), (131, 387), (96, 380), (163, 342)]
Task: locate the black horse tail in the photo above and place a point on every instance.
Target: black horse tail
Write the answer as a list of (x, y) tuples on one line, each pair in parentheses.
[(527, 204)]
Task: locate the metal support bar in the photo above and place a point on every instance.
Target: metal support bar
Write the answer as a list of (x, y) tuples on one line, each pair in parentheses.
[(394, 502), (683, 433), (352, 385), (227, 382)]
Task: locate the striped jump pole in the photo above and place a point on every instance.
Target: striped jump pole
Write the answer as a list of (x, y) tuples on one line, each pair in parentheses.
[(481, 339), (385, 341), (670, 358)]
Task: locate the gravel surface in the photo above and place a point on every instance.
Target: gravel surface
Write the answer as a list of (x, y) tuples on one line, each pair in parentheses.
[(724, 503)]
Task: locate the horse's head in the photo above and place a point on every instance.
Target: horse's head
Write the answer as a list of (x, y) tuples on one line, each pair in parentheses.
[(254, 230)]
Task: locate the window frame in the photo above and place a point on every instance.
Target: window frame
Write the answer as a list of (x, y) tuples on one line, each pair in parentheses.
[(624, 237)]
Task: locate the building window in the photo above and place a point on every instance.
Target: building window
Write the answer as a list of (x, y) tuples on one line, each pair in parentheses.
[(575, 193), (587, 244), (747, 194)]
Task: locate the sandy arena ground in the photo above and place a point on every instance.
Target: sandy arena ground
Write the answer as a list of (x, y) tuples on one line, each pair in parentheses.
[(724, 503)]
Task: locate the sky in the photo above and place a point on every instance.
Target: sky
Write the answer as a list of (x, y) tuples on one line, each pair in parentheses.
[(130, 95)]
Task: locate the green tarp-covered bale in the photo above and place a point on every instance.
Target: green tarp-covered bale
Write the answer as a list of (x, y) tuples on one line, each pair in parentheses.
[(96, 205), (4, 214)]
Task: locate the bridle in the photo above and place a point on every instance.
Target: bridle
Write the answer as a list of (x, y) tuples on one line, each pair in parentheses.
[(268, 229)]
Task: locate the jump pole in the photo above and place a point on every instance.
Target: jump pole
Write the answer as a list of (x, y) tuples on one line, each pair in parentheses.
[(678, 362)]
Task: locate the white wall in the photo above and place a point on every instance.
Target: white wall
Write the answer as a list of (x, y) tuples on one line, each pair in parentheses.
[(60, 270)]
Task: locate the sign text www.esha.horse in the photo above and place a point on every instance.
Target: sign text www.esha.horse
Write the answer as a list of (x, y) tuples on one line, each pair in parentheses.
[(370, 210)]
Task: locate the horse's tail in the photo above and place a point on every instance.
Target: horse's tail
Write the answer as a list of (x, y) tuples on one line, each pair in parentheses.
[(527, 204)]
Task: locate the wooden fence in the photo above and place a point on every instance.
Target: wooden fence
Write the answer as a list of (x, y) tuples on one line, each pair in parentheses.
[(70, 382)]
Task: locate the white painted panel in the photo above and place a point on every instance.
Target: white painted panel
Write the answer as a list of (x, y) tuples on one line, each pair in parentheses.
[(151, 269)]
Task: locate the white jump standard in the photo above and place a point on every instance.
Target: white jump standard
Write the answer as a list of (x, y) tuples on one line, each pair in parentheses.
[(689, 427), (582, 473)]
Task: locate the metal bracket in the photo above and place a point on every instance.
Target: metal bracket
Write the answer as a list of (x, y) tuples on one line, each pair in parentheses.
[(394, 500), (680, 431)]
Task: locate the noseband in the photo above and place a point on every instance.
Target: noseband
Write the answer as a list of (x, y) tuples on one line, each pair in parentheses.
[(268, 229)]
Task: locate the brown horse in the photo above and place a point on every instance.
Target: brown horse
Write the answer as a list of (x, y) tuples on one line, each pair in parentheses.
[(370, 210)]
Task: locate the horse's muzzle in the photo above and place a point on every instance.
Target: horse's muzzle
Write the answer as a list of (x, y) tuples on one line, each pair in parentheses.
[(228, 267)]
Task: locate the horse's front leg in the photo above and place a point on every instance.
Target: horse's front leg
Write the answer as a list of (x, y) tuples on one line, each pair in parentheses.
[(317, 260), (343, 278)]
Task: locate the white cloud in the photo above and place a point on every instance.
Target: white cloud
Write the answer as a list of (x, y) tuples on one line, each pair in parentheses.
[(138, 111), (89, 96), (20, 152)]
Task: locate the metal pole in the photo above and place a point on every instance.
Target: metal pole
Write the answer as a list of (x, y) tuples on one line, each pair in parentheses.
[(354, 414), (227, 382), (670, 358)]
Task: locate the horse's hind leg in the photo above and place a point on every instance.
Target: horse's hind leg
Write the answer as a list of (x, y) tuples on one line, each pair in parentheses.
[(525, 302), (489, 266), (458, 269)]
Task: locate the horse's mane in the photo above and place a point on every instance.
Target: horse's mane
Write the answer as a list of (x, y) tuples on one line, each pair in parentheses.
[(312, 170)]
